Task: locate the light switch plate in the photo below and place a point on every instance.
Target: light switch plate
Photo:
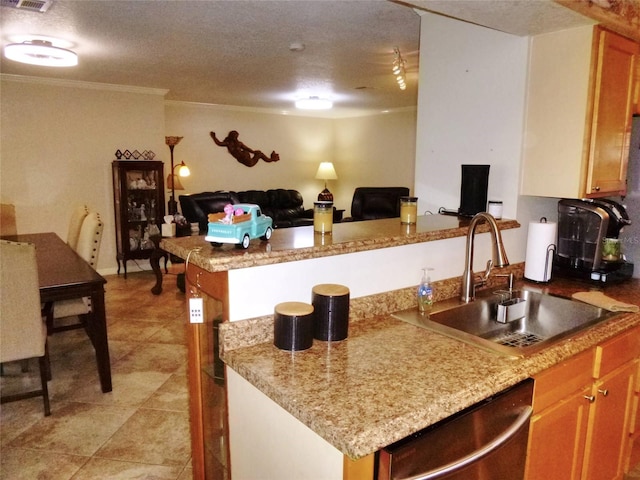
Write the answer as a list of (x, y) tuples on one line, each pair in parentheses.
[(196, 310)]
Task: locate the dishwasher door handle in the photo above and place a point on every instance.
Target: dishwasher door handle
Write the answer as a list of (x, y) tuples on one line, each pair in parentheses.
[(483, 451)]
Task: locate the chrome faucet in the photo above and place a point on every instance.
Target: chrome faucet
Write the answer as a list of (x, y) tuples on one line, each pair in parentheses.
[(499, 256)]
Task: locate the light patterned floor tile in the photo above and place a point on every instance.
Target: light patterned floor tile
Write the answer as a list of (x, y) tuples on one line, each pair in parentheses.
[(24, 464), (75, 428), (117, 470), (157, 437)]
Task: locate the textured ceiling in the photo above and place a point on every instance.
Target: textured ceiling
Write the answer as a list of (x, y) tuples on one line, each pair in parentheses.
[(236, 52), (518, 17)]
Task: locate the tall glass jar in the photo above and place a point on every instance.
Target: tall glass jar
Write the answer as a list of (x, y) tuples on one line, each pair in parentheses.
[(408, 210), (323, 217)]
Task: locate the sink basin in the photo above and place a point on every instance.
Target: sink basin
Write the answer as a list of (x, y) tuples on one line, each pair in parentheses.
[(540, 321)]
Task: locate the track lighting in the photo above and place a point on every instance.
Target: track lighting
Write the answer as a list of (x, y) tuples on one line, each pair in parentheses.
[(398, 68)]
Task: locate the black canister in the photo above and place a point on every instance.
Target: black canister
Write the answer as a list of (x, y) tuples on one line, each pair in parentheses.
[(293, 326), (331, 311)]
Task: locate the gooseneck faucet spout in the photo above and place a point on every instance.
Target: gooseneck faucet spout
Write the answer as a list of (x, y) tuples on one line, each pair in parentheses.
[(499, 255)]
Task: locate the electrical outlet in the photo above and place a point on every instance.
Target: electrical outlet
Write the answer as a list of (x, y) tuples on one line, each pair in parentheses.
[(196, 310)]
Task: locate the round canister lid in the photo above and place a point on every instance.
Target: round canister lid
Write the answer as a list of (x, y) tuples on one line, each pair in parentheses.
[(330, 290), (294, 309)]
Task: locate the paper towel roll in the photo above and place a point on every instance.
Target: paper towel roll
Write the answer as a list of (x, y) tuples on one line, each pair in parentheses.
[(541, 241)]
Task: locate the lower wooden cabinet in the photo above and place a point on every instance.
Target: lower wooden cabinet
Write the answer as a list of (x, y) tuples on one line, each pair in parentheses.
[(609, 424), (558, 436), (585, 412)]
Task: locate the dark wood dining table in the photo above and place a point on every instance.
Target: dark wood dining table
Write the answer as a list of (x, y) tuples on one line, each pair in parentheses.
[(64, 275)]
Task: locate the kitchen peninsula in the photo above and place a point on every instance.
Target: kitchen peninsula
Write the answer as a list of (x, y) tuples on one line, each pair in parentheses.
[(311, 414)]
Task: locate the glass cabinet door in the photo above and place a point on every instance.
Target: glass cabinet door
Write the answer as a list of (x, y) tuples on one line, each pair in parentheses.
[(138, 189)]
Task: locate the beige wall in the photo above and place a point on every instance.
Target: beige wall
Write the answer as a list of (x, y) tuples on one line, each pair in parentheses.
[(471, 112), (57, 143), (58, 140), (376, 150), (372, 152)]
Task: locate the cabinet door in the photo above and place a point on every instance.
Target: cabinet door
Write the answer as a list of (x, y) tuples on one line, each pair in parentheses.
[(609, 424), (612, 112), (556, 439), (636, 88)]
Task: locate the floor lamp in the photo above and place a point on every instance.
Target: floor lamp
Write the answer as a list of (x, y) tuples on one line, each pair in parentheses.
[(172, 181)]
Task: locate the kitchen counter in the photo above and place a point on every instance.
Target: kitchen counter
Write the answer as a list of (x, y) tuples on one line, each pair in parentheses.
[(301, 243), (389, 379)]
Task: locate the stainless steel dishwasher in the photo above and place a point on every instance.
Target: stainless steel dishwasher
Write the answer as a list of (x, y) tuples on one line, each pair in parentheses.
[(487, 441)]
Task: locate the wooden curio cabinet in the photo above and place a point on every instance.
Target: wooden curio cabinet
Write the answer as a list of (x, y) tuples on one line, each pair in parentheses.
[(138, 198)]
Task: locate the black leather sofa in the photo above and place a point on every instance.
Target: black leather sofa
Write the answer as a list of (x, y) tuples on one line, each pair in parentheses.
[(370, 203), (284, 206)]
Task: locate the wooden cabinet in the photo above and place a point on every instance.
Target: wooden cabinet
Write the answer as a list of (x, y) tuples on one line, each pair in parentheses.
[(578, 117), (609, 428), (636, 89), (138, 198), (634, 439), (208, 411), (558, 428), (584, 413)]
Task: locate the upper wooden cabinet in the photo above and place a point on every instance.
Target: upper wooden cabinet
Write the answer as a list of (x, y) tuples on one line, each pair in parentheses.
[(578, 114)]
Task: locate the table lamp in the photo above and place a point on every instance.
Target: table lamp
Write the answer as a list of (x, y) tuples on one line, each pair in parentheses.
[(326, 172)]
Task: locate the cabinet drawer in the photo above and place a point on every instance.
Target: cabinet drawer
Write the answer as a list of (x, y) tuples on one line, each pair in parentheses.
[(557, 382), (616, 352)]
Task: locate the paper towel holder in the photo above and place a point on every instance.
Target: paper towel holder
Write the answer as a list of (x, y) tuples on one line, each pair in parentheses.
[(551, 249)]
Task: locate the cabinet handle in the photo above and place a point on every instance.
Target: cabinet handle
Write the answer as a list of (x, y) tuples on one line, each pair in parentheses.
[(604, 392), (597, 189), (591, 398)]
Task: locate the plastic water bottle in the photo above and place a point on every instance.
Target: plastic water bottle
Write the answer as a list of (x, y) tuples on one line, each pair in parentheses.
[(425, 292)]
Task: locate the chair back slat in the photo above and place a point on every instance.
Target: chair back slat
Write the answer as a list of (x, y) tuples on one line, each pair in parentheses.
[(90, 239), (75, 225)]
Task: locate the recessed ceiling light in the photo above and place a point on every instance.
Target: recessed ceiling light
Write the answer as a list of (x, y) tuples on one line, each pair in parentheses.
[(40, 52), (314, 103)]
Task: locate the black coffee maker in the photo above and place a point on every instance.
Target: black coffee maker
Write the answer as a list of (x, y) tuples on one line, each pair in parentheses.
[(588, 246)]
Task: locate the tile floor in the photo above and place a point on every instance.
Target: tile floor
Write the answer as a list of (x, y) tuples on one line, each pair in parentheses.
[(140, 430)]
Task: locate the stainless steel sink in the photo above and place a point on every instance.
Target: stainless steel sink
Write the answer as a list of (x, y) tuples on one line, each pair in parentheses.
[(547, 319)]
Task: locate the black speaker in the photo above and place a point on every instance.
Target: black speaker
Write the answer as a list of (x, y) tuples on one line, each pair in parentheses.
[(473, 190)]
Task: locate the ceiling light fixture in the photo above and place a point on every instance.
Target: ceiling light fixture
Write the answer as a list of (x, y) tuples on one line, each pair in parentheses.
[(314, 103), (399, 68), (40, 52)]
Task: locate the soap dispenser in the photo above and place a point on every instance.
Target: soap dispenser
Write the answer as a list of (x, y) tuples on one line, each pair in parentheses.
[(425, 292)]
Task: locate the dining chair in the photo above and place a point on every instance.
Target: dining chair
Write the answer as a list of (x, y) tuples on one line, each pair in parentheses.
[(88, 247), (8, 219), (75, 225), (23, 334)]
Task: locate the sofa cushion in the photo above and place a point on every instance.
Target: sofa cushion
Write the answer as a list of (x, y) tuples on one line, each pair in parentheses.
[(259, 197), (197, 206), (284, 206)]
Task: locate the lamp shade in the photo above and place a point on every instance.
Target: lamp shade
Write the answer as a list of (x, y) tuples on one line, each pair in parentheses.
[(326, 172), (173, 183), (183, 170)]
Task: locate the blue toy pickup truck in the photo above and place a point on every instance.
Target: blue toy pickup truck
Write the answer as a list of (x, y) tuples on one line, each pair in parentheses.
[(239, 224)]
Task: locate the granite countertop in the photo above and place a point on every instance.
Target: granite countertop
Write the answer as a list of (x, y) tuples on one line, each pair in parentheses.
[(301, 243), (389, 379)]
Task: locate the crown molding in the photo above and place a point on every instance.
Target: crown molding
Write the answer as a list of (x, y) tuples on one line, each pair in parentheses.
[(56, 82), (335, 113)]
